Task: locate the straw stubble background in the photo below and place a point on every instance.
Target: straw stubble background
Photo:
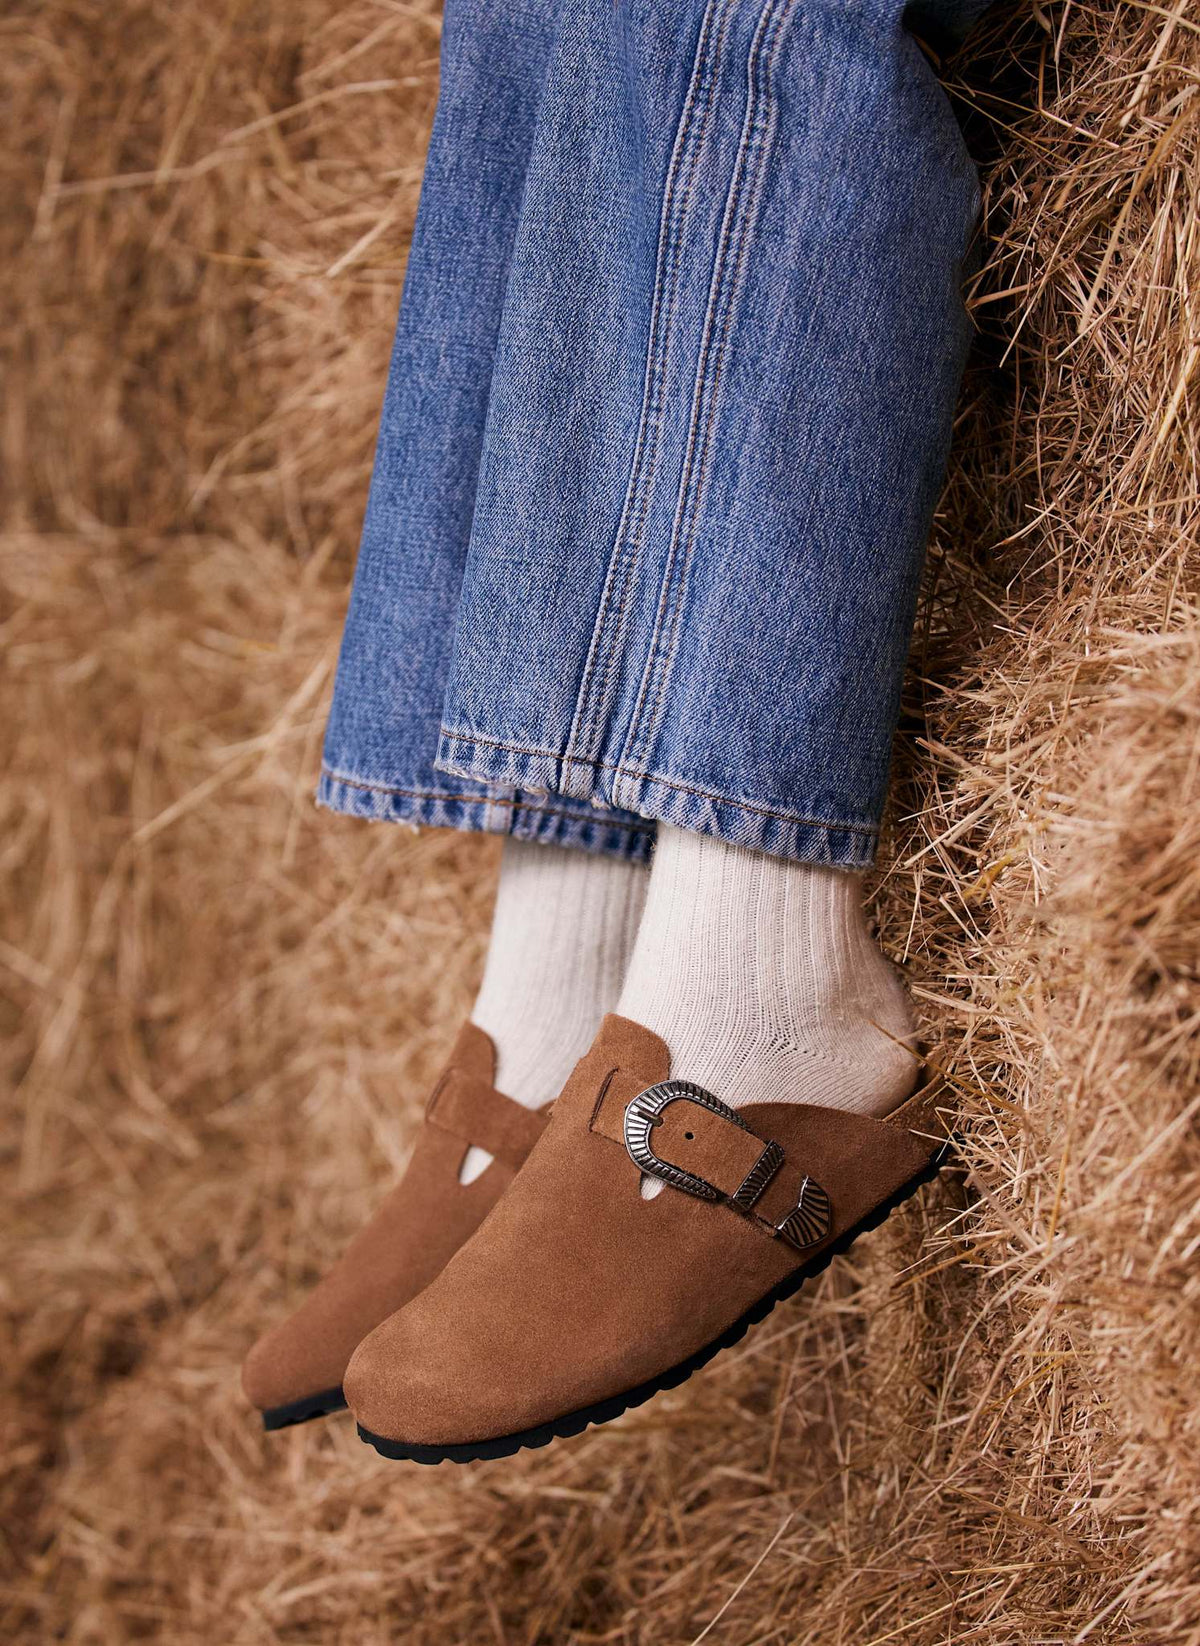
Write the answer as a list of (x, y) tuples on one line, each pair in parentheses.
[(221, 1008)]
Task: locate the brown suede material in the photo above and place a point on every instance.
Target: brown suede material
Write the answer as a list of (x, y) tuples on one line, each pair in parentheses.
[(833, 1145), (471, 1110), (706, 1144), (421, 1223), (578, 1289)]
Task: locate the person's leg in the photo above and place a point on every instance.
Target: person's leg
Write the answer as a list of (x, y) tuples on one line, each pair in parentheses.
[(564, 924), (723, 390), (565, 918)]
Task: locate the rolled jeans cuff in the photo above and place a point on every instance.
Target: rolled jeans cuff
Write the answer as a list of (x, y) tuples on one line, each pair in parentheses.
[(496, 809), (659, 799)]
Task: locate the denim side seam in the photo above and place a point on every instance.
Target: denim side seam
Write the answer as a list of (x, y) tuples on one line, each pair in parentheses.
[(666, 800), (501, 809), (610, 625), (745, 193)]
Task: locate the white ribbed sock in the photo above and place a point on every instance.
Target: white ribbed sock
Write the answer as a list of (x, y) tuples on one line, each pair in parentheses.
[(562, 934), (764, 981)]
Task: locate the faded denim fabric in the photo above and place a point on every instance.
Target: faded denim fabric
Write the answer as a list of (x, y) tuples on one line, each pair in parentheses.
[(666, 421)]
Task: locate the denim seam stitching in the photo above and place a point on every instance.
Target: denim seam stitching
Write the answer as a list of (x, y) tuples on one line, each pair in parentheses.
[(773, 37), (868, 829), (601, 819), (624, 565), (677, 198), (633, 748), (746, 187)]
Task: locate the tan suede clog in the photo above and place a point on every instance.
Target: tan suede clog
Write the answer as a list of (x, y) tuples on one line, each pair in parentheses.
[(295, 1372), (579, 1297)]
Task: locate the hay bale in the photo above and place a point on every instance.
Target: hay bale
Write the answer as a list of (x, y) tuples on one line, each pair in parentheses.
[(221, 1008)]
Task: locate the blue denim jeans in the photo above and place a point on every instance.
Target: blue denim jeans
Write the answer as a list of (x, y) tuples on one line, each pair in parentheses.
[(666, 420)]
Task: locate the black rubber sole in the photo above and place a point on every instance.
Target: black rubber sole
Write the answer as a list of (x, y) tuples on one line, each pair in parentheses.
[(603, 1411), (302, 1411)]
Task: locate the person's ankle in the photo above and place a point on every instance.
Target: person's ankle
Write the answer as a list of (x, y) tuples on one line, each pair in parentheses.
[(764, 981), (563, 930)]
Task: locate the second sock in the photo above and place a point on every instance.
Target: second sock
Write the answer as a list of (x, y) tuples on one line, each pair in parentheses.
[(562, 934)]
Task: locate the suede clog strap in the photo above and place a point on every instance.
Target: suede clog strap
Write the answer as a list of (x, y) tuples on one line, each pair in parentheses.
[(475, 1112), (693, 1141)]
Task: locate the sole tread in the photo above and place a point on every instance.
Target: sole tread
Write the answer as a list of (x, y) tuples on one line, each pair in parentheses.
[(303, 1411)]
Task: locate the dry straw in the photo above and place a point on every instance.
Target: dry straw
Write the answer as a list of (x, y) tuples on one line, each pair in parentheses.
[(220, 1009)]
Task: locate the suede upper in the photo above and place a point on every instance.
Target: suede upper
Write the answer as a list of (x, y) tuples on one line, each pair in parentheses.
[(578, 1289), (421, 1223)]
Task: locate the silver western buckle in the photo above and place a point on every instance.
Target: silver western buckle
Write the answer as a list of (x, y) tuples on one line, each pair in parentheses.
[(804, 1225)]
